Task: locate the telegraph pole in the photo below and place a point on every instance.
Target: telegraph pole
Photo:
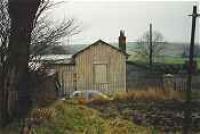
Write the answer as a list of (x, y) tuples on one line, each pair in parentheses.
[(151, 46), (187, 114)]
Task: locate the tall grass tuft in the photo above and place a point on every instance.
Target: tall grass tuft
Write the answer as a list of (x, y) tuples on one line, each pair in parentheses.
[(151, 94), (42, 114)]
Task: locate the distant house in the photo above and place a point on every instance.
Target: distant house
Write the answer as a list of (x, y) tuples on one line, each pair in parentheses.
[(100, 66)]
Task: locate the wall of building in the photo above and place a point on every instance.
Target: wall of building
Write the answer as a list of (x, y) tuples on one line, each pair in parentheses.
[(115, 62), (66, 78)]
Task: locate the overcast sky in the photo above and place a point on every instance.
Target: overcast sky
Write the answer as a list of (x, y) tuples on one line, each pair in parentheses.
[(104, 20)]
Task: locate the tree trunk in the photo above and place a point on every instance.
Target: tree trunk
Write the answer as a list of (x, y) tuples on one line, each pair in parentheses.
[(16, 94)]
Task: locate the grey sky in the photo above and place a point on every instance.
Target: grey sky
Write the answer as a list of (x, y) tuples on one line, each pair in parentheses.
[(104, 20)]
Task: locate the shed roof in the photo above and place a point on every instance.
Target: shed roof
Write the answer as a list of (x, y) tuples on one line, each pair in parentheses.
[(103, 43)]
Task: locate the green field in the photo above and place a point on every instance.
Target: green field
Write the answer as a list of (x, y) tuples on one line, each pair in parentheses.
[(171, 60), (177, 60)]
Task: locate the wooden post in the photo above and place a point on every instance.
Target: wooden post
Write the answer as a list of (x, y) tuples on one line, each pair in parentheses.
[(151, 46), (187, 114)]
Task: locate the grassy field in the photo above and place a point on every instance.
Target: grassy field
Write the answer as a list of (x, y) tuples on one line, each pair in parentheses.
[(171, 60), (177, 60)]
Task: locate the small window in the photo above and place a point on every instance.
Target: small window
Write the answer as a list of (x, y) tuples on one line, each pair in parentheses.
[(100, 74)]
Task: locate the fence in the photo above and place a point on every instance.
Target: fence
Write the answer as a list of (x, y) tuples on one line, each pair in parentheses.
[(174, 82)]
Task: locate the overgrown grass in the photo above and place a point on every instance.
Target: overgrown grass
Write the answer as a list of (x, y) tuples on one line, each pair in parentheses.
[(72, 118), (151, 94)]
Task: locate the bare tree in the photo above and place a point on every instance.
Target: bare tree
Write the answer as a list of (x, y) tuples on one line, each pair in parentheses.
[(15, 93), (4, 30), (4, 34), (143, 46), (25, 31), (46, 34)]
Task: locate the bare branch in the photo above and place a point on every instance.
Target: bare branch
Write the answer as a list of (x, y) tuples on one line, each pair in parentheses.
[(143, 46), (46, 33)]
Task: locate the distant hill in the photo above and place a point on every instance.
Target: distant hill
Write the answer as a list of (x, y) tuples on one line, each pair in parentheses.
[(62, 49), (171, 49)]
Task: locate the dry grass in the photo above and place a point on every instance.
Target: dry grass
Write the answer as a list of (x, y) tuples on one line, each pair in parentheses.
[(83, 101), (151, 94), (43, 113), (79, 119)]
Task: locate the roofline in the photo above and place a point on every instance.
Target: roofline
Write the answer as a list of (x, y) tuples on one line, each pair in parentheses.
[(103, 42)]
